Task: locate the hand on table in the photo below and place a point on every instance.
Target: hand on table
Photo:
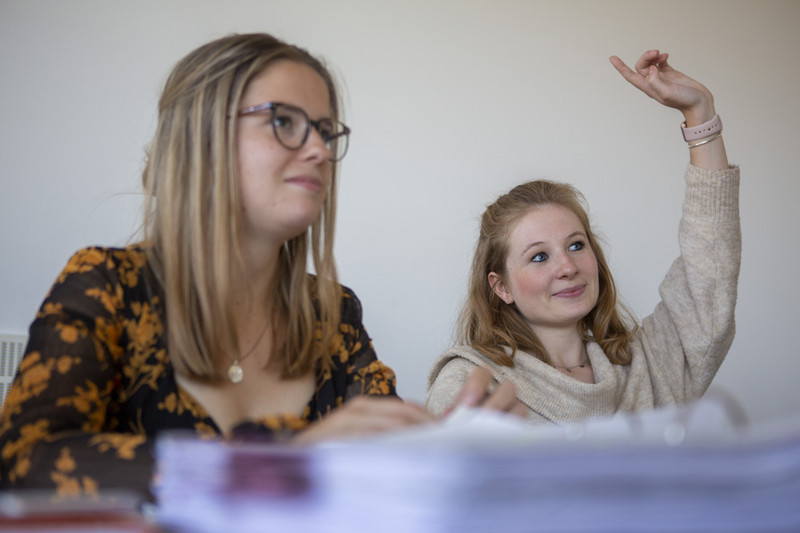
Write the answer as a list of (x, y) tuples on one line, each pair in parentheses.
[(364, 416), (476, 393)]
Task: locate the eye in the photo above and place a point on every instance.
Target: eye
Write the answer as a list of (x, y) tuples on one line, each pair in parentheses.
[(538, 258), (576, 246), (284, 121), (326, 130)]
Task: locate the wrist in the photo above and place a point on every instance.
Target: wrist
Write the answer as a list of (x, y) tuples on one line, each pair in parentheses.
[(699, 132), (700, 113)]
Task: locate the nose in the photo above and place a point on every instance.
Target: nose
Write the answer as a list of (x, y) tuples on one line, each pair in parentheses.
[(566, 266), (315, 148)]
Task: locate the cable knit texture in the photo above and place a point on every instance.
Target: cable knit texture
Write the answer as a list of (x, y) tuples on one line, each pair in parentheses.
[(676, 351)]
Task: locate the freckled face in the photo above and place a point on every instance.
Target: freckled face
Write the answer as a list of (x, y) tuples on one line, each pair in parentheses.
[(551, 271), (282, 190)]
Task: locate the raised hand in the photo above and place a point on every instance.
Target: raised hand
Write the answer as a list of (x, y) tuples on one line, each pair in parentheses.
[(655, 77), (658, 80)]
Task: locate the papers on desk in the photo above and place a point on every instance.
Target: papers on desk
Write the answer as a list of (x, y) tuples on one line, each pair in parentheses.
[(670, 470)]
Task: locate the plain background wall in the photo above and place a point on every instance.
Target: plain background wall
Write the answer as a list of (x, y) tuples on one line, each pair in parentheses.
[(451, 104)]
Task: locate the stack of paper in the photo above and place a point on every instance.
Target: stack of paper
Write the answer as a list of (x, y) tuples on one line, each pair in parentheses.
[(42, 511), (673, 470)]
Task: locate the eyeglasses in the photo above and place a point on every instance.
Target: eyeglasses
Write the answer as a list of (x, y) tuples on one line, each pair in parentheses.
[(291, 126)]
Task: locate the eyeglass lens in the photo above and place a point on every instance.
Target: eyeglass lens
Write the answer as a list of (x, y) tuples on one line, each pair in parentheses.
[(292, 127)]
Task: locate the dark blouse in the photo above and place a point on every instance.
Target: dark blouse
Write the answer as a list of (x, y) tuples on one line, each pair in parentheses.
[(96, 384)]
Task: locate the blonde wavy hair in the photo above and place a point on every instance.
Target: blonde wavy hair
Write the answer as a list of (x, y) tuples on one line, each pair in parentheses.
[(191, 219), (488, 324)]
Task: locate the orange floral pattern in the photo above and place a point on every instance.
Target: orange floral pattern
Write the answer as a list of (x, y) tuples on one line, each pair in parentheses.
[(96, 385)]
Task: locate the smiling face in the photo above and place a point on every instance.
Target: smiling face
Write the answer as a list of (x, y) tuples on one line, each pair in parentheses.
[(282, 191), (551, 271)]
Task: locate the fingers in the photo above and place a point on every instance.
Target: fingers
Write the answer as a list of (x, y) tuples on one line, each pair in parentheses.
[(621, 67), (644, 61), (662, 61), (655, 77), (648, 64), (364, 416), (503, 398), (649, 59), (475, 389), (476, 393), (652, 75), (636, 79), (519, 409), (392, 410)]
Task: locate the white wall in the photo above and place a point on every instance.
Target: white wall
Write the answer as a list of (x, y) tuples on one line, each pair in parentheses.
[(451, 103)]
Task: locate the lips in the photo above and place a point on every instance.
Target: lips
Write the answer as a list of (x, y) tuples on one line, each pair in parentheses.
[(571, 292), (310, 183)]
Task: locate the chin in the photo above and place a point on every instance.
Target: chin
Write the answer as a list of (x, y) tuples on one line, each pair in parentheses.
[(579, 315), (303, 221)]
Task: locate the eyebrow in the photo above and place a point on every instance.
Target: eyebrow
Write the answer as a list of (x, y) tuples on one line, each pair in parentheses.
[(539, 243)]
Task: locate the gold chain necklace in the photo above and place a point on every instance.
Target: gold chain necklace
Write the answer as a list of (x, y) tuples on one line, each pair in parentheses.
[(582, 364), (235, 372)]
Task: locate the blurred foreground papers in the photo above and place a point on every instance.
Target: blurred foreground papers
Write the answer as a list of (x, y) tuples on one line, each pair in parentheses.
[(688, 469)]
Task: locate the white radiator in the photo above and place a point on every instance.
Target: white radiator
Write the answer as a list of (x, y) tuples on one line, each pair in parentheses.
[(11, 349)]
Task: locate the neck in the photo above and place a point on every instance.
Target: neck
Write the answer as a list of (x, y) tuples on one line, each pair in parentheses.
[(254, 297), (565, 346), (257, 281)]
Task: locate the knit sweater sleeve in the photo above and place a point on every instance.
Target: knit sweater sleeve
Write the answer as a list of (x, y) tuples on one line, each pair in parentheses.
[(445, 382), (681, 345)]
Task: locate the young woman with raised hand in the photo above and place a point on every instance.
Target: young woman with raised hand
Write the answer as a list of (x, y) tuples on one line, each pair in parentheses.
[(542, 310)]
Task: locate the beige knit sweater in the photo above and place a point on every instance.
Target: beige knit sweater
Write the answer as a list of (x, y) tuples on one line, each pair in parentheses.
[(676, 351)]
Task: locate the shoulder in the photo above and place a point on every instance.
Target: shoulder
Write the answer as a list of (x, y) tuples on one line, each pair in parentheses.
[(350, 303), (98, 269), (454, 367), (349, 296), (106, 258), (456, 362), (351, 308), (447, 378)]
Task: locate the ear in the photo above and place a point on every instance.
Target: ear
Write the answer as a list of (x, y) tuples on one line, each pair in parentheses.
[(499, 287)]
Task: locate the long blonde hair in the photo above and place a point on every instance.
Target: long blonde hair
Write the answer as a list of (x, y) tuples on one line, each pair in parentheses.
[(191, 219), (488, 324)]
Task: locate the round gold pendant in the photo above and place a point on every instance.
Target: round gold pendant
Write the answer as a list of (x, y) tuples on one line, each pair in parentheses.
[(235, 373)]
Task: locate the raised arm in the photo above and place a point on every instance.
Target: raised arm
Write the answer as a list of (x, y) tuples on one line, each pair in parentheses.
[(654, 76), (680, 346)]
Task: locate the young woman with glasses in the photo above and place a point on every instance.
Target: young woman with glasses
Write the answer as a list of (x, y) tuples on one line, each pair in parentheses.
[(211, 323), (542, 310)]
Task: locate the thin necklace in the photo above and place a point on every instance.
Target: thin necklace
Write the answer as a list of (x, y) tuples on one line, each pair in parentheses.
[(582, 364), (235, 372)]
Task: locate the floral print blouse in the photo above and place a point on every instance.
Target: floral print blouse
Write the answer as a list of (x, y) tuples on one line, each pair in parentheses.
[(96, 385)]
